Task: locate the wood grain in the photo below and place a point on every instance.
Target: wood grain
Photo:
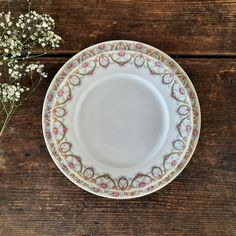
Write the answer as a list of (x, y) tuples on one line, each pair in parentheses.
[(177, 27), (36, 199)]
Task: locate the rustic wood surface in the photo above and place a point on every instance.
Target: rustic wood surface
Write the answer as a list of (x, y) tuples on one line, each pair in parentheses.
[(175, 26), (35, 197)]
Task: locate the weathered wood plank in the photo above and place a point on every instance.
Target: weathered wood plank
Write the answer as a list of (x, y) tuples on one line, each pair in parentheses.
[(176, 27), (36, 199)]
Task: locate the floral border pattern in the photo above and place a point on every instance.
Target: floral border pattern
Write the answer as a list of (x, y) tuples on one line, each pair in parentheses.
[(142, 184), (89, 67)]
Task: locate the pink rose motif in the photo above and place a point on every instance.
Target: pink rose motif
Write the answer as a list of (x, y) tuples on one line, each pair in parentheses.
[(195, 132), (48, 135), (96, 190), (60, 92), (78, 159), (180, 166), (190, 149), (121, 53), (181, 91), (69, 65), (188, 128), (71, 165), (172, 65), (173, 163), (138, 45), (50, 97), (85, 64), (55, 130), (151, 188), (64, 129), (115, 194), (121, 63), (142, 184), (159, 176), (191, 94), (103, 185), (65, 168), (158, 64), (101, 46)]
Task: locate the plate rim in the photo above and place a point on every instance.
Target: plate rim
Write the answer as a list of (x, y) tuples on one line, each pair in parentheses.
[(102, 194)]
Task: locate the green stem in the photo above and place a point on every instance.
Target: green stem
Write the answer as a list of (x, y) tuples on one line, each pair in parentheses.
[(4, 107), (6, 121), (30, 57), (36, 85), (29, 5), (31, 78)]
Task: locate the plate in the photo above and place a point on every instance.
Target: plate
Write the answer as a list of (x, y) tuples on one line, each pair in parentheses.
[(121, 119)]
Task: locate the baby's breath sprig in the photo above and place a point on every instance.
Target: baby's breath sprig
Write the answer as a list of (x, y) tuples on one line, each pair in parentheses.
[(19, 38)]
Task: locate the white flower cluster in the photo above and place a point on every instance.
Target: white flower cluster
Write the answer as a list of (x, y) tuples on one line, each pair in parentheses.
[(36, 67), (22, 35), (11, 93), (15, 70), (19, 37), (40, 27), (6, 20), (9, 41)]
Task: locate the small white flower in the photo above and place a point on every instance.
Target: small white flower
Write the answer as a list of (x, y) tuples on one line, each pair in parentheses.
[(17, 94), (45, 25), (11, 93), (40, 29)]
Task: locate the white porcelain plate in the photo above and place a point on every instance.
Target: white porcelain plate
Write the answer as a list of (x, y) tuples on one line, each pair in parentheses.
[(121, 119)]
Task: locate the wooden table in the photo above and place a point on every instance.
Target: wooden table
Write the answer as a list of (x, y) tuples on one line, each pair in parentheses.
[(36, 198)]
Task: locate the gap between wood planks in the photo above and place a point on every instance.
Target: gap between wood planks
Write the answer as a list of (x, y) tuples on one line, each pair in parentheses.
[(174, 56)]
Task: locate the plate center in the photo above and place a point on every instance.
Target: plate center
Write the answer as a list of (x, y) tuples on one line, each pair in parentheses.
[(121, 120)]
